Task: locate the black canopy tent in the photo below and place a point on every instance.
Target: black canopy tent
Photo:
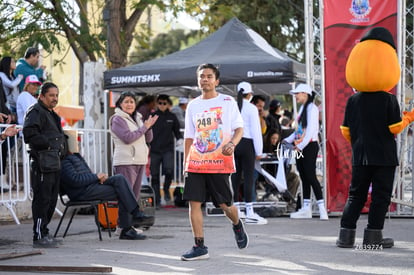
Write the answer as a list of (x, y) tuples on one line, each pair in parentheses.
[(239, 52)]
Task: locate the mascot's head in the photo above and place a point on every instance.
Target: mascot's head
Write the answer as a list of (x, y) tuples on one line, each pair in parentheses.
[(372, 65)]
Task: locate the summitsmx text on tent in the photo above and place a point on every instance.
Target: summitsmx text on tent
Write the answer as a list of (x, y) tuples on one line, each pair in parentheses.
[(135, 79)]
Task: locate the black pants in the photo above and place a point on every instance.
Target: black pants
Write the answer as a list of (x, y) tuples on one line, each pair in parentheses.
[(244, 156), (114, 188), (306, 165), (45, 193), (382, 178), (166, 159)]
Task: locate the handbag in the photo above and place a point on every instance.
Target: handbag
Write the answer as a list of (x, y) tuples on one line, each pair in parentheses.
[(49, 161)]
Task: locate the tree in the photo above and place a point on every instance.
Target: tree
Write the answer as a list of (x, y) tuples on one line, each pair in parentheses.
[(280, 22), (163, 44), (83, 23)]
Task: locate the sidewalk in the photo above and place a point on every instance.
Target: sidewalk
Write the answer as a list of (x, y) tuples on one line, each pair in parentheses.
[(283, 246)]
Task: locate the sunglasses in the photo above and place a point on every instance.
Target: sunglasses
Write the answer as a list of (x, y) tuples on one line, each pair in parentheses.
[(162, 103)]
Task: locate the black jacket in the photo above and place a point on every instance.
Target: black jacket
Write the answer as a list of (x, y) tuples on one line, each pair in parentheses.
[(164, 130), (42, 130), (368, 116), (76, 176)]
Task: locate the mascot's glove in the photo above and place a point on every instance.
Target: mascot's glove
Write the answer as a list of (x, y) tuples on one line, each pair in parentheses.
[(407, 118)]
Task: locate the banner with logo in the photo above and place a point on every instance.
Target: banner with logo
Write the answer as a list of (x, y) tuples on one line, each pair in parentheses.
[(345, 22)]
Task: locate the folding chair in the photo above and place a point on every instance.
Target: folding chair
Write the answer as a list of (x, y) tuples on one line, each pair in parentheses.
[(80, 204)]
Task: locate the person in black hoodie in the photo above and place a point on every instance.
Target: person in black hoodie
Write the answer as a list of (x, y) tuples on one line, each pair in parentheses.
[(165, 130)]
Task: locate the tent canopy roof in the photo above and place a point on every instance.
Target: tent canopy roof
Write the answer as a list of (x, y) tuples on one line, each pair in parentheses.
[(240, 53)]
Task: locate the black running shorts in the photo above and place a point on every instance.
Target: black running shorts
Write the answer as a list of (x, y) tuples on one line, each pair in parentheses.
[(208, 187)]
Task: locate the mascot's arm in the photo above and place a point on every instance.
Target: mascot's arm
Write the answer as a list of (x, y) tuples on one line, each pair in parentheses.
[(346, 133), (398, 127)]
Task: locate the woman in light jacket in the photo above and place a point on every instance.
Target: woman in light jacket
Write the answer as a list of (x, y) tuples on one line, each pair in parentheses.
[(131, 136), (10, 83)]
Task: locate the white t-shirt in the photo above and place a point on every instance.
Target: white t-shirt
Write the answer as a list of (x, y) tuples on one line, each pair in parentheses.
[(211, 124), (252, 128), (24, 101)]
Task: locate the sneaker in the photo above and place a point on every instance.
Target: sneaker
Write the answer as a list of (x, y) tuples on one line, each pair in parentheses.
[(323, 215), (131, 234), (255, 219), (242, 239), (196, 253), (119, 230), (45, 242), (303, 213)]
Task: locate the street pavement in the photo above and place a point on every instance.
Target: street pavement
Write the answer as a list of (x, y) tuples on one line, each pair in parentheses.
[(283, 246)]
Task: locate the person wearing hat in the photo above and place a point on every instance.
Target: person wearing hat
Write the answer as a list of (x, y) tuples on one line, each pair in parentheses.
[(272, 119), (305, 141), (179, 110), (27, 97), (80, 183), (246, 152)]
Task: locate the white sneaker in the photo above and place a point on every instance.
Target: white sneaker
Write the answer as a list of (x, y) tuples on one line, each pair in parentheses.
[(255, 219), (323, 215), (303, 213)]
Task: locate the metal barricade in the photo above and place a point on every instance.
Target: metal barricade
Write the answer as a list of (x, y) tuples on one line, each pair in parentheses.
[(14, 173)]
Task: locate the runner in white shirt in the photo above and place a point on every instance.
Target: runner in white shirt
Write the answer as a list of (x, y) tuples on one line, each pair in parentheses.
[(213, 127)]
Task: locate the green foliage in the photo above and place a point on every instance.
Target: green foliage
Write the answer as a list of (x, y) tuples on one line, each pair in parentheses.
[(280, 22)]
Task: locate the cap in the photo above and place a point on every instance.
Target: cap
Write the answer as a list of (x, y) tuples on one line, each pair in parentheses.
[(247, 88), (302, 88), (274, 104), (33, 79), (182, 100), (72, 140), (381, 34)]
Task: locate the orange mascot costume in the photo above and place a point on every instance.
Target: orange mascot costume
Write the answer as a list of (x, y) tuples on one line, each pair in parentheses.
[(372, 118)]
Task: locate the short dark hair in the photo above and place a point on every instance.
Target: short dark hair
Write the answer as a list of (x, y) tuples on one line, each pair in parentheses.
[(46, 86), (256, 98), (209, 66), (31, 51), (165, 97), (123, 96)]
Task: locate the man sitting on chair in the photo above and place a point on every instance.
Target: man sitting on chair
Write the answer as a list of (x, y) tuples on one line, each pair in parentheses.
[(80, 183)]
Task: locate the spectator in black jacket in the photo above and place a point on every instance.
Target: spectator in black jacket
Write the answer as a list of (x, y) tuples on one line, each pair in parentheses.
[(43, 132), (165, 131), (272, 119), (80, 183)]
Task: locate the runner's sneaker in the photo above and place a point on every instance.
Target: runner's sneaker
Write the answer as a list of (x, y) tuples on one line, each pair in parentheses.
[(196, 253), (242, 239), (255, 219)]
